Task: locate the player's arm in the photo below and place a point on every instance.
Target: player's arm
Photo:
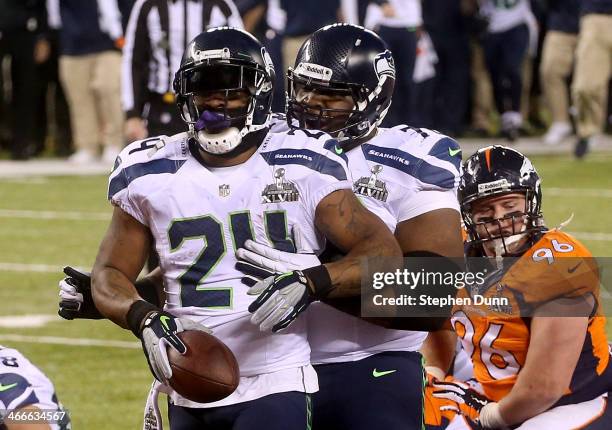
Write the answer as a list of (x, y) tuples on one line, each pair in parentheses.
[(433, 241), (438, 351), (76, 301), (556, 341), (358, 233), (120, 259), (355, 231)]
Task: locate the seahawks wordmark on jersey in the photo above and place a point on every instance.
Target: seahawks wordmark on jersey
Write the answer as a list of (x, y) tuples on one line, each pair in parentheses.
[(200, 216), (22, 384), (399, 174)]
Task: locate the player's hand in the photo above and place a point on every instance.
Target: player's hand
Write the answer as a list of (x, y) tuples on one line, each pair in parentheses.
[(281, 299), (470, 401), (160, 330), (259, 261), (76, 301)]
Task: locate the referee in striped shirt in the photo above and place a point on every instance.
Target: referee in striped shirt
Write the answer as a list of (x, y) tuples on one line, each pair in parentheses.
[(157, 34)]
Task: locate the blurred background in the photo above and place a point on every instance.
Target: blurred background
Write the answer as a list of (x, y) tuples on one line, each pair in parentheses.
[(80, 79)]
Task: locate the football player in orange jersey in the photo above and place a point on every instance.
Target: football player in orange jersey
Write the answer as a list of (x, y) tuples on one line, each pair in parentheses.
[(534, 368)]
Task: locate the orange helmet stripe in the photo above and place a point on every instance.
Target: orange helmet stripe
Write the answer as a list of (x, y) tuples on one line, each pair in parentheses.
[(488, 158)]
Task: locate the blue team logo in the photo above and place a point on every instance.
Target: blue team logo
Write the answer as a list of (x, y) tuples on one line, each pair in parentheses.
[(372, 186), (281, 190), (384, 64)]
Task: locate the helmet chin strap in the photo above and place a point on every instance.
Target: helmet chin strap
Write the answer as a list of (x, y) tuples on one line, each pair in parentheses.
[(504, 245)]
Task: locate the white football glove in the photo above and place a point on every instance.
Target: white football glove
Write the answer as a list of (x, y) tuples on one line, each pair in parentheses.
[(160, 332), (281, 299), (259, 261), (69, 293)]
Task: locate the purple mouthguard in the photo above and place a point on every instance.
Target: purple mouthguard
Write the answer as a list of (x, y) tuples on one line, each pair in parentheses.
[(212, 121)]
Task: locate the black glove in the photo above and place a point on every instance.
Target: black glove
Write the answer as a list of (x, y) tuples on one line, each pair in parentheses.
[(76, 301)]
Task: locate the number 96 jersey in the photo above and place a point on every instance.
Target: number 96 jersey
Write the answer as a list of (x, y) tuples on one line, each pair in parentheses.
[(495, 332), (199, 216)]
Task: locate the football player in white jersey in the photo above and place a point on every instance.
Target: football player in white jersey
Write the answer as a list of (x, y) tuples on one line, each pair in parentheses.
[(200, 196), (369, 376), (27, 397)]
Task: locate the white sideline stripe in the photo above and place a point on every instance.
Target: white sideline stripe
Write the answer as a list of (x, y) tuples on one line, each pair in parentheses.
[(81, 216), (29, 321), (22, 267), (579, 192), (70, 341), (603, 237)]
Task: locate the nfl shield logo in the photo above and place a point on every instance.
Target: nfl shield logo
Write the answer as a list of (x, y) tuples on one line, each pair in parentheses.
[(224, 190)]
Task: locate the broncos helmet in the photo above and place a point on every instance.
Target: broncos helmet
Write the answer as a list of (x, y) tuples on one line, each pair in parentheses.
[(226, 60), (495, 171), (348, 60)]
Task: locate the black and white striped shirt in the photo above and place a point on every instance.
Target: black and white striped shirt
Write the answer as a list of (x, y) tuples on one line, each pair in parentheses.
[(157, 34)]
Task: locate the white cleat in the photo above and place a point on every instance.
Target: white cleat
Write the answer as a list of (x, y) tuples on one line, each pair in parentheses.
[(82, 156), (110, 154), (557, 132)]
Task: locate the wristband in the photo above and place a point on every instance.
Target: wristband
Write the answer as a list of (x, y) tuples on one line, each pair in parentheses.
[(490, 417), (138, 312), (321, 281)]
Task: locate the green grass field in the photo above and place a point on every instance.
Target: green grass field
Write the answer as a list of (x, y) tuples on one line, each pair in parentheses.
[(105, 387)]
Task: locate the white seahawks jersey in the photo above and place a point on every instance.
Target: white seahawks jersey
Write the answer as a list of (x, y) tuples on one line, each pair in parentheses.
[(399, 174), (22, 384), (200, 216), (505, 14)]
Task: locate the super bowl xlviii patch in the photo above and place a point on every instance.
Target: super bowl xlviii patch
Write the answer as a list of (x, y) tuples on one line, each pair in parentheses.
[(372, 186), (281, 190), (224, 190)]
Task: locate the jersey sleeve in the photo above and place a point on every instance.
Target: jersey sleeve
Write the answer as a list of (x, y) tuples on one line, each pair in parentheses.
[(557, 266), (437, 174), (333, 175), (16, 392), (133, 171)]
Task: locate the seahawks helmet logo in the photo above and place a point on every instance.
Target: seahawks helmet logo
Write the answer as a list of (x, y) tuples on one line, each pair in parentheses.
[(269, 65), (384, 64)]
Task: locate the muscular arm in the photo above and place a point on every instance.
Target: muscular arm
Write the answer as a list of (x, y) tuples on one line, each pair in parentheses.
[(436, 232), (120, 259), (438, 350), (556, 341), (358, 233)]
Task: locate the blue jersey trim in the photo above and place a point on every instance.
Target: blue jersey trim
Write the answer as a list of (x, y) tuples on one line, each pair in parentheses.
[(447, 149), (332, 145), (409, 164), (13, 386), (135, 171), (304, 157)]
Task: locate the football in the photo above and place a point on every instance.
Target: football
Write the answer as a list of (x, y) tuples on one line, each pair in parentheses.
[(208, 371)]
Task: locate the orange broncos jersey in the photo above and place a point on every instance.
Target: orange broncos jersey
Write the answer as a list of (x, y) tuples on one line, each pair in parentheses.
[(497, 336)]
